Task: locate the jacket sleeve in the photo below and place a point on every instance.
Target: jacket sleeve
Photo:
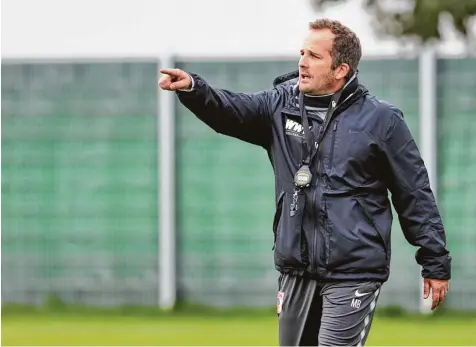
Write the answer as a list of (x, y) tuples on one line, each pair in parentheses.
[(413, 199), (243, 116)]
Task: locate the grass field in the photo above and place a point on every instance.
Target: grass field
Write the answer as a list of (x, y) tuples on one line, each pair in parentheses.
[(79, 328)]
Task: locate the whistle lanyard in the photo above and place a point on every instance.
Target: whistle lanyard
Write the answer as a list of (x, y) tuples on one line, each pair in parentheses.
[(303, 176), (310, 154)]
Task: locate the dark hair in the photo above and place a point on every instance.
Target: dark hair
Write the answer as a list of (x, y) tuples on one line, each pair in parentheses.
[(346, 46)]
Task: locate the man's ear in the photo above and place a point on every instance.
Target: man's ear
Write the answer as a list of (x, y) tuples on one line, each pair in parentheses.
[(341, 71)]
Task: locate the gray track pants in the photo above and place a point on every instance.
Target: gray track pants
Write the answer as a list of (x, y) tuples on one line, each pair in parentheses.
[(312, 313)]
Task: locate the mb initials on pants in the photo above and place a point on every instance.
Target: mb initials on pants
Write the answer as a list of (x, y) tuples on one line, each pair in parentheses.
[(334, 313)]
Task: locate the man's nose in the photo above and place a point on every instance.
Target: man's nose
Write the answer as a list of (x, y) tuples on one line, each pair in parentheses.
[(303, 62)]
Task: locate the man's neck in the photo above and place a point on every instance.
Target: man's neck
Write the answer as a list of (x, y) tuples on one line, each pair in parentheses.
[(322, 100), (328, 92), (319, 95)]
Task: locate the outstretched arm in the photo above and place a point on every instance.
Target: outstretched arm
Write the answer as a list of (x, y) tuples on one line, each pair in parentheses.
[(245, 116)]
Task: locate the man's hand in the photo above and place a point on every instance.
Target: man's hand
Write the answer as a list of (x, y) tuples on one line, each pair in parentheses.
[(174, 79), (439, 288)]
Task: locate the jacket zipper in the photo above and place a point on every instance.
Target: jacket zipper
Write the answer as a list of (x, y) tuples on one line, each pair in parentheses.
[(316, 223), (328, 239), (331, 160), (316, 215)]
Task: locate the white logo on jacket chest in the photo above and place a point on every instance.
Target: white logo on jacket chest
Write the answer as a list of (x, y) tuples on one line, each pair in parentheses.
[(294, 128)]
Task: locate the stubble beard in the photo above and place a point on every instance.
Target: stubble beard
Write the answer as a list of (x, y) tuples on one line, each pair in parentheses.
[(326, 85)]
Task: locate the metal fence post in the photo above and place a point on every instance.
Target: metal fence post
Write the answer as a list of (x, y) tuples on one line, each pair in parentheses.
[(428, 128), (166, 150)]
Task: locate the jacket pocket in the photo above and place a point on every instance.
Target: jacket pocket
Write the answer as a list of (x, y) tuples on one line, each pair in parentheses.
[(277, 216), (371, 221), (289, 239), (352, 243)]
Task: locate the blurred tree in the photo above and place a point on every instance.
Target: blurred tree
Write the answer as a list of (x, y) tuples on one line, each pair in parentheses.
[(416, 19)]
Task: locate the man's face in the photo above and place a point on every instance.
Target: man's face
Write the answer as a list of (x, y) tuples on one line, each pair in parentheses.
[(315, 74)]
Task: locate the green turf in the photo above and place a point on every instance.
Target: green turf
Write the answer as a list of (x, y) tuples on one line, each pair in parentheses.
[(70, 329)]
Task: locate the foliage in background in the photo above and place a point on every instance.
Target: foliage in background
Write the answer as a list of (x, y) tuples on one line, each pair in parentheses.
[(417, 19)]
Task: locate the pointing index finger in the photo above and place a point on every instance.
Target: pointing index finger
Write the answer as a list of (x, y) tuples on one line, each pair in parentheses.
[(171, 72)]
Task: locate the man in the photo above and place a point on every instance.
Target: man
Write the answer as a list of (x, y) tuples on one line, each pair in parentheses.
[(336, 151)]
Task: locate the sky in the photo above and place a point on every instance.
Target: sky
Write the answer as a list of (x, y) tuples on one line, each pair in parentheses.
[(188, 28)]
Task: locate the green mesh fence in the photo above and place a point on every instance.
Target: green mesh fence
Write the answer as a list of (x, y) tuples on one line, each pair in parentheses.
[(226, 193), (457, 173), (225, 200), (79, 183)]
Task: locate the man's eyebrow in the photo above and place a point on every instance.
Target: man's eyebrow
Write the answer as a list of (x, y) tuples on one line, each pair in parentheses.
[(314, 53)]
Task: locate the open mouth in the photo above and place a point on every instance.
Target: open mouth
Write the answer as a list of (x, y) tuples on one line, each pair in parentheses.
[(305, 77)]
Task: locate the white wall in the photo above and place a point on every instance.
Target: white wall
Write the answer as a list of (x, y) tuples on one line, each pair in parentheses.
[(145, 28)]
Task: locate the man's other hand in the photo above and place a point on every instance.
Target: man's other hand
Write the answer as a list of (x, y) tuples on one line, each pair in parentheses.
[(174, 79), (438, 288)]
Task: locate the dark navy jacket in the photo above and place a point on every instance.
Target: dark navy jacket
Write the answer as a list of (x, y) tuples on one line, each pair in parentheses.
[(341, 229)]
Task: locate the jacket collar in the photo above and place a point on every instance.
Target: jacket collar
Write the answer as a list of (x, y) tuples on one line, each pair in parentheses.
[(323, 101), (352, 91)]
